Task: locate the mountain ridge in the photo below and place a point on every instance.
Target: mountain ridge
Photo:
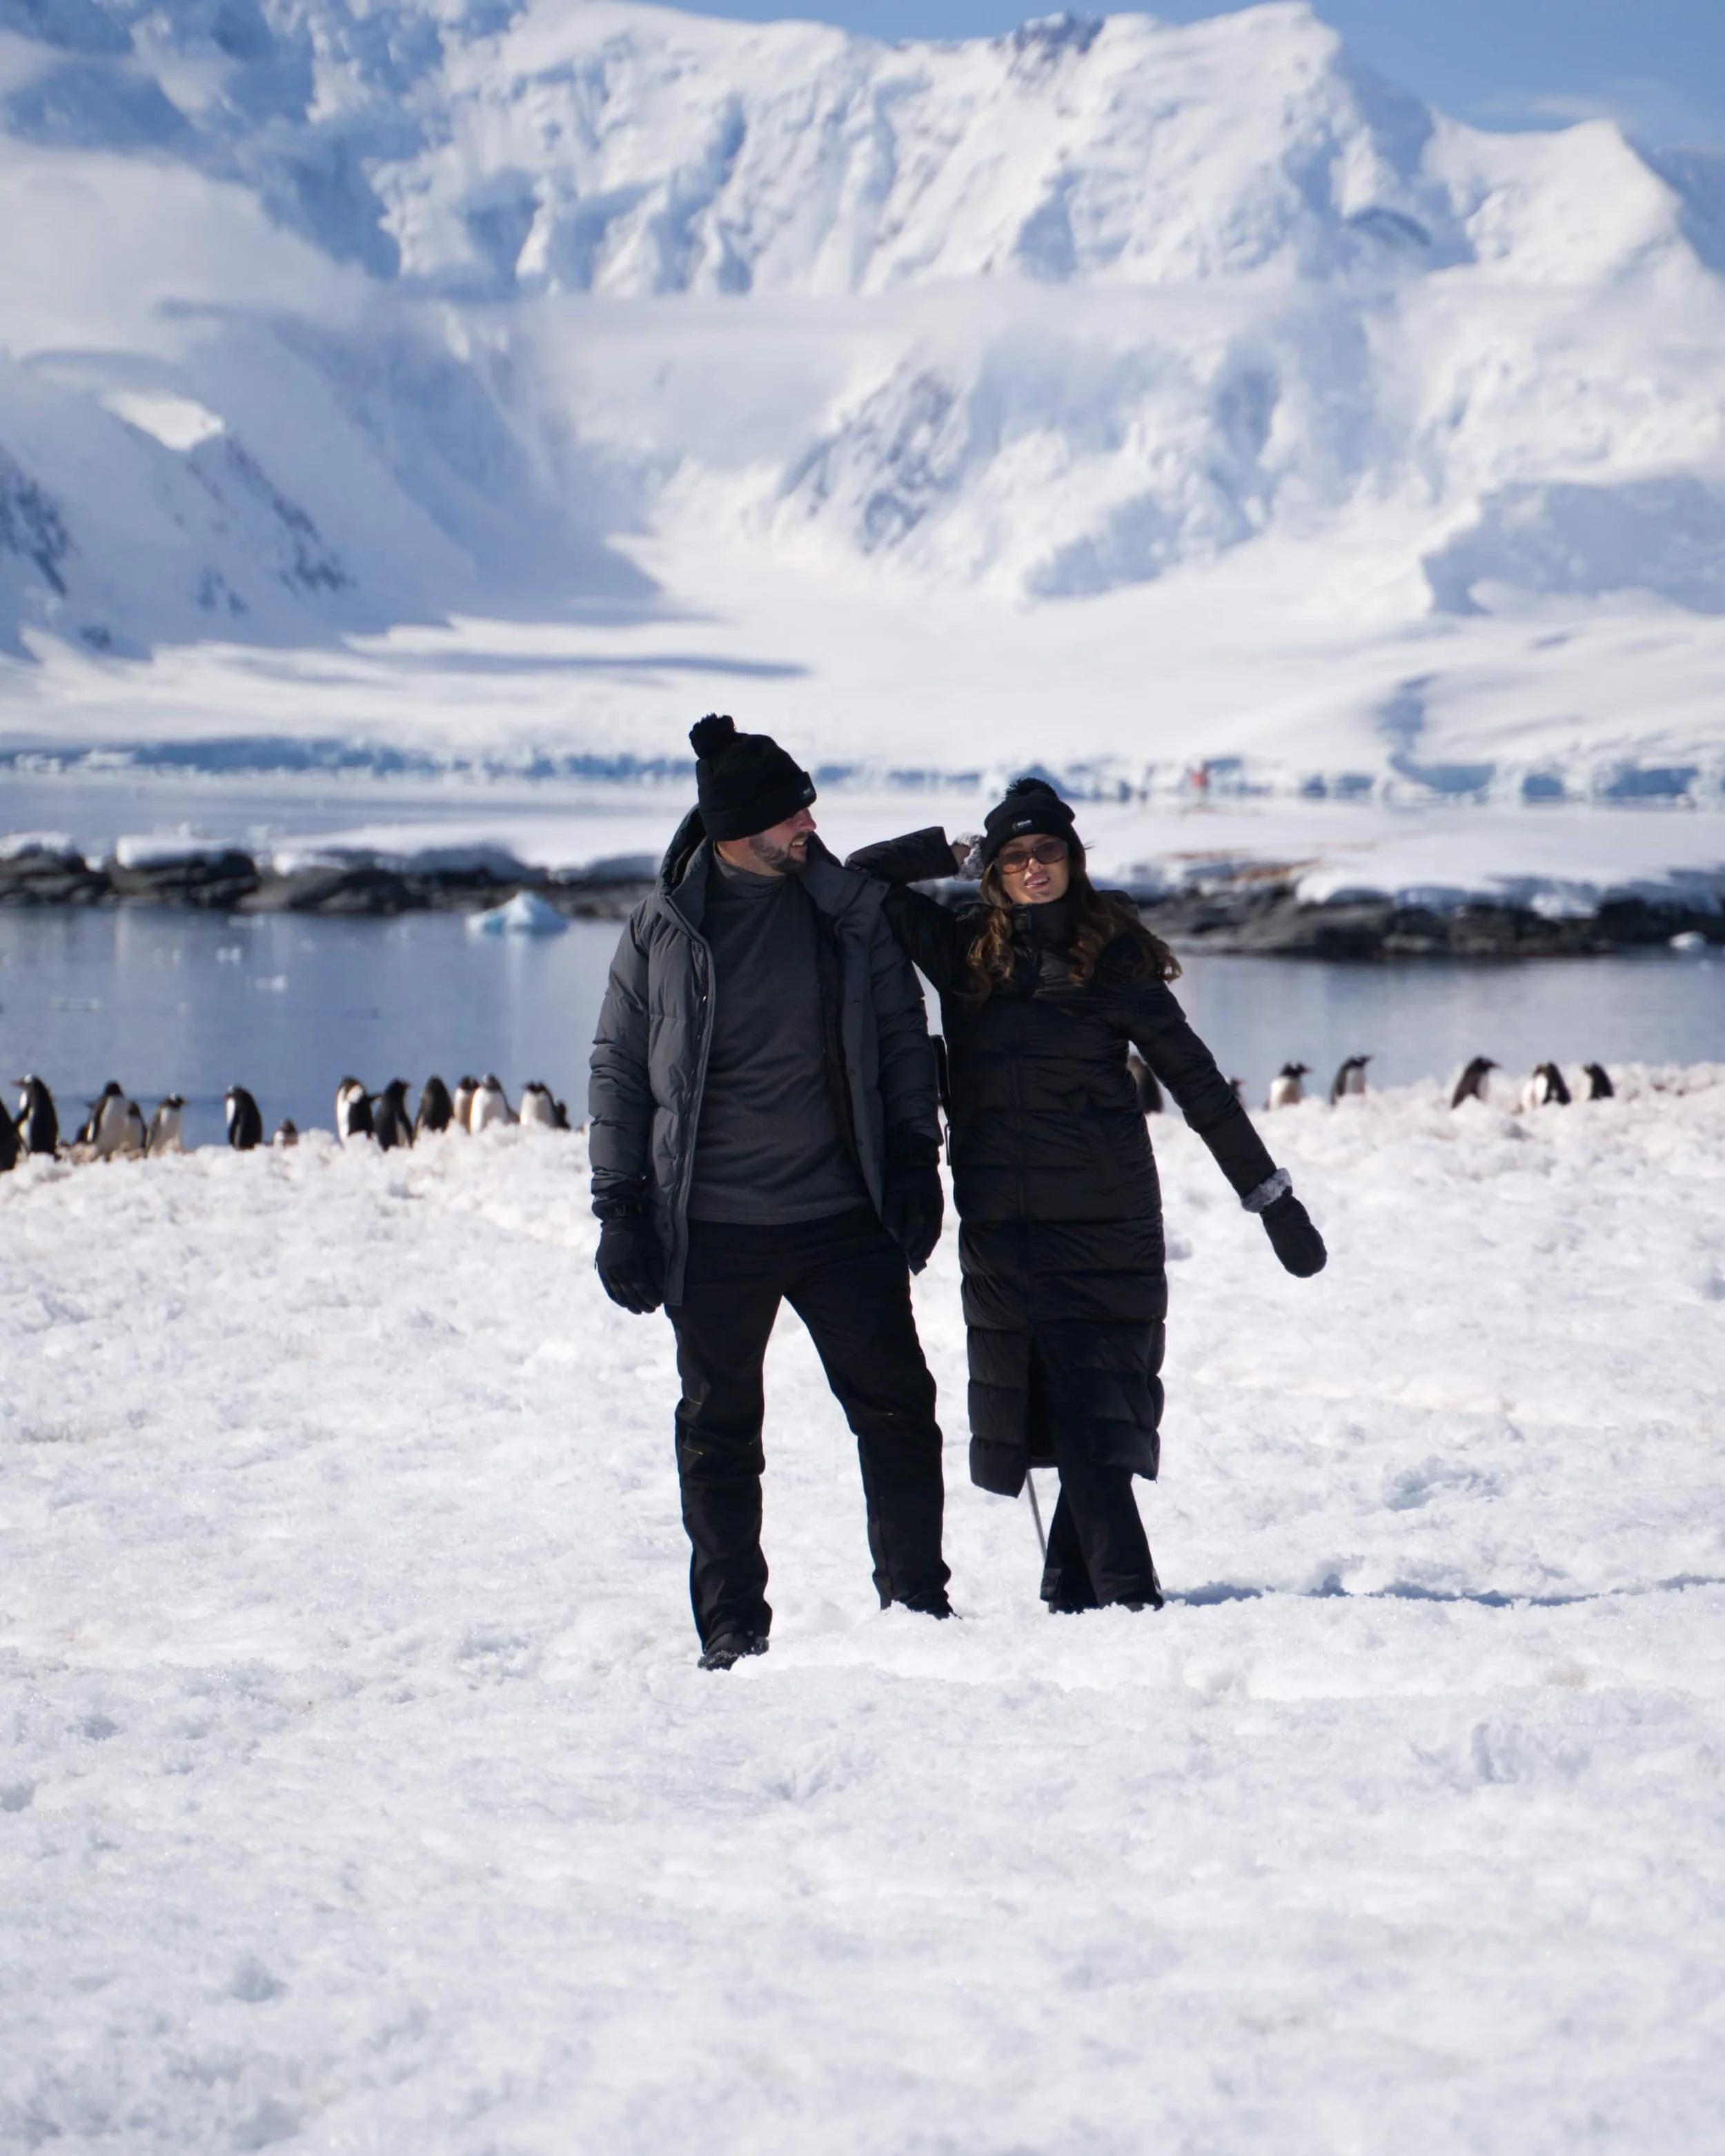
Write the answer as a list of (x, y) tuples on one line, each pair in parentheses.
[(326, 319)]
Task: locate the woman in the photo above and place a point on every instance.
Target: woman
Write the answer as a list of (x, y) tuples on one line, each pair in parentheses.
[(1043, 985)]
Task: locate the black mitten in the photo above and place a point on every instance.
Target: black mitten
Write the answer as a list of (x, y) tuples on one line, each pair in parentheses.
[(1294, 1237), (630, 1264), (913, 1203)]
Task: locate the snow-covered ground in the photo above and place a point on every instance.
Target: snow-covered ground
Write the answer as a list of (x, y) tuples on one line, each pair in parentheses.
[(359, 1792)]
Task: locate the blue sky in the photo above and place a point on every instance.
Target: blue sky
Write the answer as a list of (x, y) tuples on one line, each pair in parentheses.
[(1656, 65)]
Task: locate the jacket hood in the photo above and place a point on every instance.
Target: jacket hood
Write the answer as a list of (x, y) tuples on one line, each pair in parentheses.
[(678, 854)]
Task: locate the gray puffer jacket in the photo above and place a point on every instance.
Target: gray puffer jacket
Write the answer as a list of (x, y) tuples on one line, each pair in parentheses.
[(649, 1053)]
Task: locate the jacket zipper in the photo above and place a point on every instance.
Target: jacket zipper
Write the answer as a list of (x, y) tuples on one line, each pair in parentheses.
[(705, 1001)]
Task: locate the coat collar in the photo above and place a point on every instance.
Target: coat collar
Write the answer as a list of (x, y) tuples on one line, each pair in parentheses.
[(1047, 927), (835, 888), (683, 875)]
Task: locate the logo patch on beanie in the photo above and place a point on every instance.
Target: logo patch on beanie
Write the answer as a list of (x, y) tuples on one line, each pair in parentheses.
[(1024, 823)]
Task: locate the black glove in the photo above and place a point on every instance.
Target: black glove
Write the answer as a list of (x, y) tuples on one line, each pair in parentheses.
[(1294, 1237), (630, 1264), (913, 1203)]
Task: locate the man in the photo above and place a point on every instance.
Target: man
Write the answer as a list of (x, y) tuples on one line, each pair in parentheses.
[(762, 1110)]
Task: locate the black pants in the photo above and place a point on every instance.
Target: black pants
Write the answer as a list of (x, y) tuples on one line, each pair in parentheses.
[(1097, 1552), (846, 1278)]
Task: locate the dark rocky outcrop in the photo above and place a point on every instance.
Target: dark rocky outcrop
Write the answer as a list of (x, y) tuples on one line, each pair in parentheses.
[(1268, 921), (1273, 922), (46, 876), (370, 888), (217, 882)]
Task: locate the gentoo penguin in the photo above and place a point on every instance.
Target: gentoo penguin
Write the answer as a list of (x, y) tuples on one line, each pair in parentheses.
[(38, 1122), (135, 1141), (245, 1126), (1471, 1086), (1285, 1089), (167, 1127), (560, 1109), (107, 1130), (1598, 1082), (1143, 1079), (537, 1107), (1237, 1087), (461, 1107), (391, 1124), (491, 1104), (1545, 1089), (287, 1133), (12, 1146), (1351, 1078), (353, 1111), (435, 1108)]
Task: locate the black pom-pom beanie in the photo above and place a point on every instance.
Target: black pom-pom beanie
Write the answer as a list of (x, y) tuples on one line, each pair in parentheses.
[(1029, 809), (744, 783)]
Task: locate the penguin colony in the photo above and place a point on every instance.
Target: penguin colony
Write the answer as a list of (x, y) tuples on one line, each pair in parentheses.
[(114, 1128), (1546, 1086)]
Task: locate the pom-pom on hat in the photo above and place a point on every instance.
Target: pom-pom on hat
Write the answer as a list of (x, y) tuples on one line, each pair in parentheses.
[(745, 783), (1029, 809)]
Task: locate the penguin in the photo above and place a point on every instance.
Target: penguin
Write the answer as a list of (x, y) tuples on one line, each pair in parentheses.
[(135, 1141), (1143, 1079), (287, 1133), (1351, 1078), (1545, 1088), (167, 1127), (560, 1109), (1237, 1087), (245, 1126), (12, 1146), (353, 1111), (461, 1107), (1471, 1086), (107, 1130), (435, 1108), (538, 1110), (1599, 1083), (391, 1124), (38, 1122), (1285, 1088), (491, 1104)]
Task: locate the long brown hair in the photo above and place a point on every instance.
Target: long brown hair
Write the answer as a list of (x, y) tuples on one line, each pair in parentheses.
[(1100, 918)]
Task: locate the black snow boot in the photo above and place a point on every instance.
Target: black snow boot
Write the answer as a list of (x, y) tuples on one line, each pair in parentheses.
[(730, 1647)]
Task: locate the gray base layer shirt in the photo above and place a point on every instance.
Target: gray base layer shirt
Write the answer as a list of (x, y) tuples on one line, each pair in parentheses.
[(769, 1149)]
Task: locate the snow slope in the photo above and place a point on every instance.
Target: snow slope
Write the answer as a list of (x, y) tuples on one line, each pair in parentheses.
[(359, 1790), (1331, 434)]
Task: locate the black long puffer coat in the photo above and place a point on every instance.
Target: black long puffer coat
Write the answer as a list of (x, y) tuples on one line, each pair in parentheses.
[(1065, 1293)]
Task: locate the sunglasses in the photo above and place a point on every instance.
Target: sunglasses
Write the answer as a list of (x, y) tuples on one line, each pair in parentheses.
[(1014, 861)]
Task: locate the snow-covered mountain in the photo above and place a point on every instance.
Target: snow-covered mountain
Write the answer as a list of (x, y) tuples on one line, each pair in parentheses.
[(321, 318)]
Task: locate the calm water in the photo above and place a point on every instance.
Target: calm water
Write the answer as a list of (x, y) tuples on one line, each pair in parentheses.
[(171, 1002)]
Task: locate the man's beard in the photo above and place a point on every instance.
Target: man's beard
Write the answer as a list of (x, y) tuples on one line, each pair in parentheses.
[(780, 861)]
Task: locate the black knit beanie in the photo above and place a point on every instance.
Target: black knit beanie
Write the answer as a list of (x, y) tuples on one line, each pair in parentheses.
[(745, 783), (1029, 809)]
